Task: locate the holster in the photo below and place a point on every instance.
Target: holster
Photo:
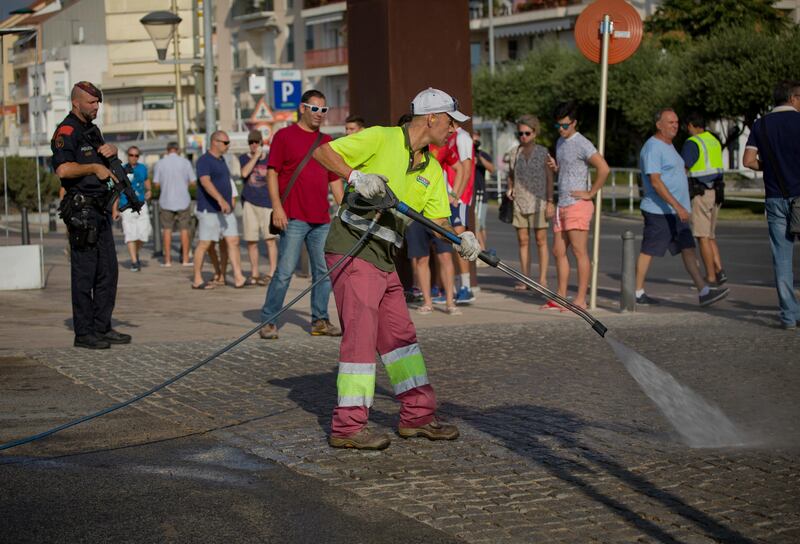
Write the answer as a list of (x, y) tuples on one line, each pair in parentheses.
[(696, 188), (80, 214), (719, 187)]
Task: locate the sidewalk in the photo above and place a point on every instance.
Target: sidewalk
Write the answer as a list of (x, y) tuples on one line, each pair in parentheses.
[(558, 443)]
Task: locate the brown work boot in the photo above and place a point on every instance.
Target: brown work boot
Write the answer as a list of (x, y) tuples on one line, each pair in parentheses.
[(323, 327), (268, 332), (432, 431), (362, 440)]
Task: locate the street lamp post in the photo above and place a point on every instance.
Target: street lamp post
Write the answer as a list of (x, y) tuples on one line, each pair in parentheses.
[(161, 26)]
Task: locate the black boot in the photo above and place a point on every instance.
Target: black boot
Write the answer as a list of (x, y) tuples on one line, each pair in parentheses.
[(90, 341), (114, 337)]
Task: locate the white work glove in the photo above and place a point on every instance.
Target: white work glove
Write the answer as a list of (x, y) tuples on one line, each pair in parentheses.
[(368, 185), (469, 248)]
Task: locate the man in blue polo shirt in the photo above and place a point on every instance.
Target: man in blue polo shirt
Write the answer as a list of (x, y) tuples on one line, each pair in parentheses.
[(774, 148), (215, 217), (666, 210)]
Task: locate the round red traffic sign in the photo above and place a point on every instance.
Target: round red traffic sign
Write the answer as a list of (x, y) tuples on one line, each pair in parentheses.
[(626, 36)]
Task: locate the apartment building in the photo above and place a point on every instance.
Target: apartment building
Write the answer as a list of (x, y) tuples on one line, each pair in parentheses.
[(310, 36), (67, 44)]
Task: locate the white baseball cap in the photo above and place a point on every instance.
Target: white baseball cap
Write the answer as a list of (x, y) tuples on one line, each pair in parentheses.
[(435, 101)]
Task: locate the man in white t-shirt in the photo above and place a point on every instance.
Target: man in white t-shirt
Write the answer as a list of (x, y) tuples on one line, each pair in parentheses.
[(174, 174)]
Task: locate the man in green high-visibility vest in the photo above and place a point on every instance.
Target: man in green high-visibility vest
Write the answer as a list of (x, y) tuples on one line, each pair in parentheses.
[(702, 155)]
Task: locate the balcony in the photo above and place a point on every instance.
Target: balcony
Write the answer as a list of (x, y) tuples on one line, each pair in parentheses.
[(320, 58), (478, 9)]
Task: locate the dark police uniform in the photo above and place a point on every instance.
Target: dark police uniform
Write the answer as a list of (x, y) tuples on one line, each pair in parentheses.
[(93, 264)]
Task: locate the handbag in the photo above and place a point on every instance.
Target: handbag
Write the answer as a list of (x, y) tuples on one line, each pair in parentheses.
[(506, 209), (794, 204), (272, 228)]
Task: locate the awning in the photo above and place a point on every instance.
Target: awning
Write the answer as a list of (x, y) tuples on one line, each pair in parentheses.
[(538, 27), (327, 18)]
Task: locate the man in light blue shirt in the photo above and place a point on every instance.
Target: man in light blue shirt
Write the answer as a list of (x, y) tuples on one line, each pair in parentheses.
[(666, 208)]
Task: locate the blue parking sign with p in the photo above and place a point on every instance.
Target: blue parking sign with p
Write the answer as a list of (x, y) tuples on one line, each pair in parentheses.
[(287, 94)]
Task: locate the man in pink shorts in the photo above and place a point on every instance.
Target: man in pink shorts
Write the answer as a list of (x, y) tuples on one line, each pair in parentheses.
[(574, 155)]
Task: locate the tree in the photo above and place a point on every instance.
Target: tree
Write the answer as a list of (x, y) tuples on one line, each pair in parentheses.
[(679, 20), (729, 76), (21, 173)]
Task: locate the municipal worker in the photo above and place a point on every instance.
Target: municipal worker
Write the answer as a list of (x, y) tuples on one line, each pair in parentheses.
[(702, 155), (84, 173), (368, 292)]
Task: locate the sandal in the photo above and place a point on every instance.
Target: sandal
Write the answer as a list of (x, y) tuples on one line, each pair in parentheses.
[(252, 280), (206, 285), (550, 305), (453, 310), (258, 280), (425, 310), (520, 287), (219, 281)]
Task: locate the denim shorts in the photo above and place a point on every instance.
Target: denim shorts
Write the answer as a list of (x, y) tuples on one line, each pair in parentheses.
[(663, 232)]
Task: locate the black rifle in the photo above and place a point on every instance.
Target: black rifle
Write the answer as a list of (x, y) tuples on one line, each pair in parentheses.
[(122, 185)]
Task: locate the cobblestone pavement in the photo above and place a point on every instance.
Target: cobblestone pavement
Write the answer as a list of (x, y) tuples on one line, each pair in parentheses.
[(558, 442)]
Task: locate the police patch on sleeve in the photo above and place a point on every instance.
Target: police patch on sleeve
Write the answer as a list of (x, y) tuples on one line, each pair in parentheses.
[(59, 141)]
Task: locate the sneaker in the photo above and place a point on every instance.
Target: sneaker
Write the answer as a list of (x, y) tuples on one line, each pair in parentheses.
[(464, 295), (441, 299), (644, 300), (789, 326), (115, 337), (362, 440), (715, 294), (268, 332), (432, 431), (90, 341), (436, 292), (323, 327), (135, 267), (722, 277)]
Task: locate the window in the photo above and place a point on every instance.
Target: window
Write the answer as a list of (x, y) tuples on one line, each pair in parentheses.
[(125, 109), (59, 84), (474, 54), (513, 50), (309, 37), (235, 48)]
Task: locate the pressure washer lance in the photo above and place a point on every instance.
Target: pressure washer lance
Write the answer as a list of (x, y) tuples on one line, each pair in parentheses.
[(389, 200)]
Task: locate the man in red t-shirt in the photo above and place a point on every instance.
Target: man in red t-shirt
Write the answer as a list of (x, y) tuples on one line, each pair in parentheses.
[(302, 214)]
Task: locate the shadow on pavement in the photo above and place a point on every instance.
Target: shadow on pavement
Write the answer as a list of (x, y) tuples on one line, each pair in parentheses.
[(316, 394), (529, 431)]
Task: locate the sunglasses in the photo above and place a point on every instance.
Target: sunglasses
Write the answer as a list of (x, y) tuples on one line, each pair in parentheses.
[(132, 155), (563, 126), (251, 142), (524, 133), (315, 109), (224, 142)]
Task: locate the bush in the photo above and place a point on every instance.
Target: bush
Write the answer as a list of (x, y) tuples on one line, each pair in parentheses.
[(21, 175)]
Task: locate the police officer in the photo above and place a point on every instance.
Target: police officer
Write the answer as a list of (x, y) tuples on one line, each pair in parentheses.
[(84, 175), (702, 155)]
